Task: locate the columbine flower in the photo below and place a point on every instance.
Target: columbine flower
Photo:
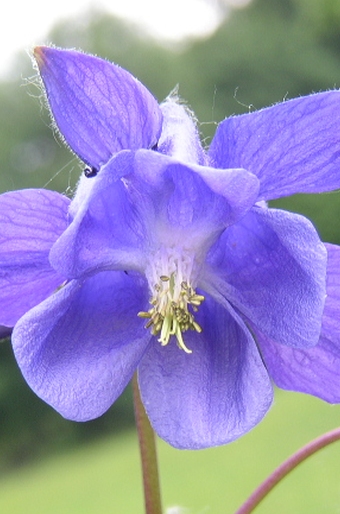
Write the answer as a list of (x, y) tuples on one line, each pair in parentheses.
[(169, 261)]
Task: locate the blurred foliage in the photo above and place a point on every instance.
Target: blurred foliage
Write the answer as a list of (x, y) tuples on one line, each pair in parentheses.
[(267, 52), (21, 435), (104, 478), (29, 428)]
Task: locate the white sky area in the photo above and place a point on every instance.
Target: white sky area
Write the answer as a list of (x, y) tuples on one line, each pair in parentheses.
[(25, 24)]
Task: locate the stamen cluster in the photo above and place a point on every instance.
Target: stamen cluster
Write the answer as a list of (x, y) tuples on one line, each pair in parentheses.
[(170, 314)]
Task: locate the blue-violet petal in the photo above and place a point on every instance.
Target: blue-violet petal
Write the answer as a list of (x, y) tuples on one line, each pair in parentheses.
[(272, 267), (315, 370), (79, 348), (98, 107), (31, 221), (212, 396), (292, 147)]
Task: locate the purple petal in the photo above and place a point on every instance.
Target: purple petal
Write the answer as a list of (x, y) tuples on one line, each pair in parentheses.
[(98, 107), (316, 370), (197, 193), (272, 267), (212, 396), (108, 231), (142, 199), (79, 348), (292, 147), (31, 221)]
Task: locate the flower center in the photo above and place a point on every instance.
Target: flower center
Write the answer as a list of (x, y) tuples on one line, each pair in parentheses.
[(174, 302)]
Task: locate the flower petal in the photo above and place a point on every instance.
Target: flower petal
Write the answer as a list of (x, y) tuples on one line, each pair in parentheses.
[(292, 147), (198, 193), (315, 370), (98, 107), (31, 220), (79, 348), (180, 137), (212, 396), (273, 266), (107, 231), (144, 199)]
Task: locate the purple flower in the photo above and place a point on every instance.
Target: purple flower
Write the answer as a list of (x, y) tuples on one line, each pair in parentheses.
[(169, 261)]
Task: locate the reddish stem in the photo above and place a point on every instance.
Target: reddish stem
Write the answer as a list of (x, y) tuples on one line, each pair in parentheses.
[(292, 462), (147, 446)]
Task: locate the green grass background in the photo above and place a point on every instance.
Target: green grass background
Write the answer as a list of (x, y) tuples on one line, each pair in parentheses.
[(104, 477)]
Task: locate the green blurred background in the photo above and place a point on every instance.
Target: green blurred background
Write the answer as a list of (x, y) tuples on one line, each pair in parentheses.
[(269, 51)]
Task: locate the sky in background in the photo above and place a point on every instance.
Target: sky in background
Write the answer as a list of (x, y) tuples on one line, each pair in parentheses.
[(24, 24)]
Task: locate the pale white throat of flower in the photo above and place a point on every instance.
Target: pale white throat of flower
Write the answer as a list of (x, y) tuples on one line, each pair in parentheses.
[(174, 300)]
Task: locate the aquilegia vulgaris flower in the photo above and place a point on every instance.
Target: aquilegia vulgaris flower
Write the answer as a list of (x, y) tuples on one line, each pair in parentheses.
[(169, 261)]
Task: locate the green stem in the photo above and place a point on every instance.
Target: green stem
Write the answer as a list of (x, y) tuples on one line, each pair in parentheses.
[(147, 445), (292, 462)]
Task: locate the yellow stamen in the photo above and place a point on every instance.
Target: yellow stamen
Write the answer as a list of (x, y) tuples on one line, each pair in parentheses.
[(170, 314)]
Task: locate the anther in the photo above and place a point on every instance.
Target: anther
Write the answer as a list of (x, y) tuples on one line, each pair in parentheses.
[(170, 314)]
